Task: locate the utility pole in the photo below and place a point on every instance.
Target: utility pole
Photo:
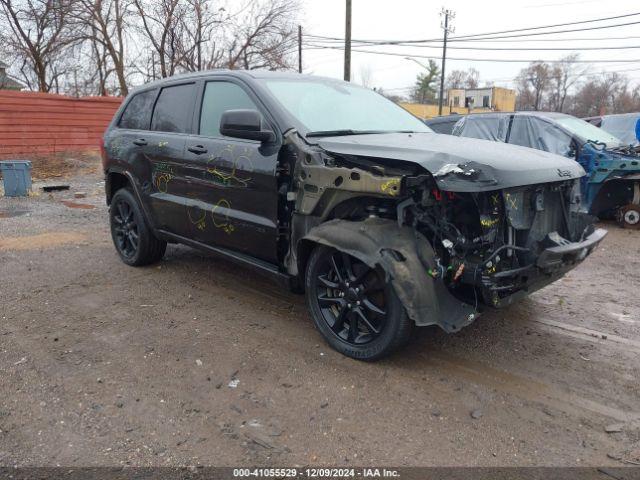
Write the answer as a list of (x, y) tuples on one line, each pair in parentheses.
[(448, 14), (347, 44), (299, 48)]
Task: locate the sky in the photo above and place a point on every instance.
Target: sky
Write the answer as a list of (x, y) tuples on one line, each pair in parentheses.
[(420, 19)]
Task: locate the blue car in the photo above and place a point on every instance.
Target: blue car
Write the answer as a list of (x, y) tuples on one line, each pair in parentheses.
[(611, 187)]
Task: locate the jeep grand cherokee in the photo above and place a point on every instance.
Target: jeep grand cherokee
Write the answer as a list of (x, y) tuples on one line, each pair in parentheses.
[(342, 194)]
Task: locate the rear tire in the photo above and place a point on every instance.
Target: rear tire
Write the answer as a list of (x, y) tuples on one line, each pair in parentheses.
[(353, 307), (629, 216), (134, 241)]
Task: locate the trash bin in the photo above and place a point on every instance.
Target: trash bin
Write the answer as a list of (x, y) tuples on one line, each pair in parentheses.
[(17, 177)]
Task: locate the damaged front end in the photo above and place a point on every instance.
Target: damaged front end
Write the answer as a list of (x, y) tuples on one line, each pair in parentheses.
[(451, 242)]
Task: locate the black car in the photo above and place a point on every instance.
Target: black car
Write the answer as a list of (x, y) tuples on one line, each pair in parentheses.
[(443, 124), (334, 190)]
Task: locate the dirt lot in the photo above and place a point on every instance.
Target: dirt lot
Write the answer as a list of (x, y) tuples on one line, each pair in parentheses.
[(197, 361)]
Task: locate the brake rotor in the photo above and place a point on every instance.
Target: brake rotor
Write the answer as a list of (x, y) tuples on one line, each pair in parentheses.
[(629, 216)]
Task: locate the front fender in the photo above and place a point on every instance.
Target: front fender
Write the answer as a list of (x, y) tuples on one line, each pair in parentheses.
[(405, 256)]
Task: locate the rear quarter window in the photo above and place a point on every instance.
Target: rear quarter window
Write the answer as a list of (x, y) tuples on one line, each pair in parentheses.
[(174, 109), (137, 113)]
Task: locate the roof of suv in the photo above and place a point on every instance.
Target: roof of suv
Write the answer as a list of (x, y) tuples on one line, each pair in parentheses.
[(284, 75)]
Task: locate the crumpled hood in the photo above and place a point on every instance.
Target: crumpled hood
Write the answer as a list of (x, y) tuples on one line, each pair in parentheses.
[(458, 163)]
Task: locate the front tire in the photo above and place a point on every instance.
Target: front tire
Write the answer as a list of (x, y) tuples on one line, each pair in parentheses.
[(355, 309), (134, 241)]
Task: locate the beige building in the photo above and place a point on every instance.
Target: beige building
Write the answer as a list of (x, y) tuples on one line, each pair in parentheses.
[(473, 100)]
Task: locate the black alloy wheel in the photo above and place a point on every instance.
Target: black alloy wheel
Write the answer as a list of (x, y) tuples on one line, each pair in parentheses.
[(125, 227), (135, 242), (353, 306)]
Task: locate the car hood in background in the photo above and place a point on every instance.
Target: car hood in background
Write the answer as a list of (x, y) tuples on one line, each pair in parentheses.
[(460, 164)]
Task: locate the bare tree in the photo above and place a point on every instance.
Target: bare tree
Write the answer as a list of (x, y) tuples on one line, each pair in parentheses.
[(162, 27), (38, 32), (463, 79), (105, 22), (263, 36), (602, 94), (101, 46), (533, 83), (564, 76), (202, 28), (473, 78)]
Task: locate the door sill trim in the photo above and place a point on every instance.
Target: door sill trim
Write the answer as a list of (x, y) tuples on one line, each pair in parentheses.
[(260, 266)]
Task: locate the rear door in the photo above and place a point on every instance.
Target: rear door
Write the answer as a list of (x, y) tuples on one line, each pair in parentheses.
[(164, 149), (233, 181)]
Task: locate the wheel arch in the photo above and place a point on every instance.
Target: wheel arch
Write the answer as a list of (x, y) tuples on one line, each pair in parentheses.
[(615, 193), (404, 255), (114, 181)]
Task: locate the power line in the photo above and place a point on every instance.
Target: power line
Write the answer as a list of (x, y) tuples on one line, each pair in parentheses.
[(397, 54), (623, 47), (549, 26), (492, 35), (332, 40)]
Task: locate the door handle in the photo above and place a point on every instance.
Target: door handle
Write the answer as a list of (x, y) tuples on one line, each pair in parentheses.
[(141, 142), (197, 149)]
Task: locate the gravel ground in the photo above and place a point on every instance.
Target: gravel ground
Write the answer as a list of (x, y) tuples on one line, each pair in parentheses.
[(198, 361)]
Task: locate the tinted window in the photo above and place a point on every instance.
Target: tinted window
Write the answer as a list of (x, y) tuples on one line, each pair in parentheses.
[(138, 111), (173, 109), (218, 98)]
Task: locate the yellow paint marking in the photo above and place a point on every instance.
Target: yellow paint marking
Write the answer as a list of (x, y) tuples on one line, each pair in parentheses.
[(43, 240), (390, 187)]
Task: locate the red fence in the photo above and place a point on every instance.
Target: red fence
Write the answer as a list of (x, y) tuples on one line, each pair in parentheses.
[(43, 124)]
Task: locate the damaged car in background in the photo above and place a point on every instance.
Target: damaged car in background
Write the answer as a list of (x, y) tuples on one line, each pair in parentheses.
[(611, 188), (344, 195)]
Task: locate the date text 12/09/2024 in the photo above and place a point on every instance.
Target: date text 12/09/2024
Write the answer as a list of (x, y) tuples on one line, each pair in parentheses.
[(315, 472)]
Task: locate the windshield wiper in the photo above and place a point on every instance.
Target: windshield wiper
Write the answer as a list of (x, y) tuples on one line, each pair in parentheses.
[(339, 133), (345, 132)]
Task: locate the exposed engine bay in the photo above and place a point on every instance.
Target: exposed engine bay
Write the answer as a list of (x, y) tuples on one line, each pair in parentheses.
[(488, 243), (459, 249)]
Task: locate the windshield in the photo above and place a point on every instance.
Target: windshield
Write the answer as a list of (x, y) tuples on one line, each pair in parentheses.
[(588, 131), (334, 106)]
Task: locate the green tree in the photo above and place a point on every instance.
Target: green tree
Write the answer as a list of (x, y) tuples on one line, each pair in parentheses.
[(426, 84)]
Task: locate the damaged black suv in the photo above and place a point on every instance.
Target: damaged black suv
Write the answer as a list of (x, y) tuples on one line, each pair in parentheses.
[(334, 190)]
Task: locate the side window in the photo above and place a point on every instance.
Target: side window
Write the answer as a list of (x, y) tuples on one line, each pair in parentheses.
[(218, 98), (541, 135), (486, 127), (552, 139), (137, 113), (522, 132), (173, 109)]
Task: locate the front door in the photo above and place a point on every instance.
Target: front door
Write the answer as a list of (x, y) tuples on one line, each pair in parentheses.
[(233, 201)]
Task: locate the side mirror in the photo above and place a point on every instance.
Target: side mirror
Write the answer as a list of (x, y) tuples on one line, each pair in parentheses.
[(245, 124), (638, 130)]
